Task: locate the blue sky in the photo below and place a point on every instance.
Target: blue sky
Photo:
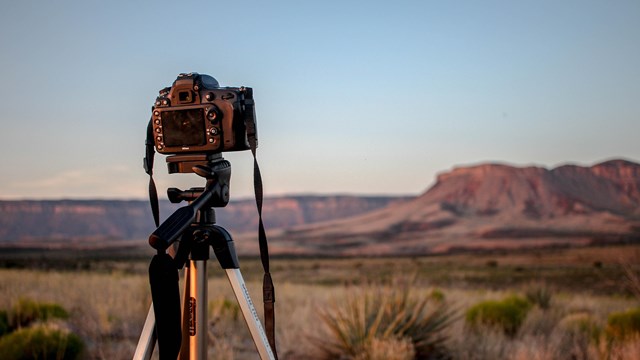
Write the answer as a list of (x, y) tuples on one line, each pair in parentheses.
[(352, 97)]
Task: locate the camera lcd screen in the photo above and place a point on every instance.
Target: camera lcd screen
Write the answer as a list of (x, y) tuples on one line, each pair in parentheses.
[(184, 127)]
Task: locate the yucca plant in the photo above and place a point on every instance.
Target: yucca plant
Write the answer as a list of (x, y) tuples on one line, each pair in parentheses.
[(357, 325), (539, 294)]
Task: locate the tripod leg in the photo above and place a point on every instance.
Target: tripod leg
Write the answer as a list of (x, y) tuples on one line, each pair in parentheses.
[(195, 312), (197, 309), (148, 338), (249, 313), (184, 348)]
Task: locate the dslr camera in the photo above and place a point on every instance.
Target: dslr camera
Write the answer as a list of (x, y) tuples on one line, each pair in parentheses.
[(197, 116)]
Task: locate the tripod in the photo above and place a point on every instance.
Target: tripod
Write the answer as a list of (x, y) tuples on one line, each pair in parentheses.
[(186, 335)]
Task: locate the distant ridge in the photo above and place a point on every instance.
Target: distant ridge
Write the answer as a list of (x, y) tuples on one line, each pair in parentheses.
[(490, 206), (44, 222), (481, 207)]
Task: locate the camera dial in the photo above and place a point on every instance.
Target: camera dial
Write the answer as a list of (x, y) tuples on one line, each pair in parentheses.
[(213, 114)]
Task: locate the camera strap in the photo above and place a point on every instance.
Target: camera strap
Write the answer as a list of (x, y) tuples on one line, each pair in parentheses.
[(148, 168), (268, 290)]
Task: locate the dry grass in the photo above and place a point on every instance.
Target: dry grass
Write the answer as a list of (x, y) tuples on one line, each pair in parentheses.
[(106, 310), (107, 307)]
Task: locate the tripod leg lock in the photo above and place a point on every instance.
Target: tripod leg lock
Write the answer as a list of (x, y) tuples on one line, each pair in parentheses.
[(223, 247)]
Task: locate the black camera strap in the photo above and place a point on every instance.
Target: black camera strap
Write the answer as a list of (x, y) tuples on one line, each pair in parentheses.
[(148, 168), (268, 290)]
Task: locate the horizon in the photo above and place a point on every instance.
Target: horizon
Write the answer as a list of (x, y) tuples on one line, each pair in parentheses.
[(338, 194), (350, 98)]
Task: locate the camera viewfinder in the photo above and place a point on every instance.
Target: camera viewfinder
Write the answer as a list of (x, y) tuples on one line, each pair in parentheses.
[(185, 97)]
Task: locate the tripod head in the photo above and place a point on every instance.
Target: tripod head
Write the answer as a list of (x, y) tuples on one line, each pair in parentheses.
[(216, 171), (212, 167)]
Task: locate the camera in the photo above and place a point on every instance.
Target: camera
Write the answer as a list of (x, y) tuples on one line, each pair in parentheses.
[(196, 115)]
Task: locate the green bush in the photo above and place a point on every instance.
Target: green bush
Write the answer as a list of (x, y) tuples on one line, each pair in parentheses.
[(492, 263), (4, 322), (624, 325), (221, 308), (580, 324), (40, 342), (506, 315), (437, 295), (373, 322), (27, 311)]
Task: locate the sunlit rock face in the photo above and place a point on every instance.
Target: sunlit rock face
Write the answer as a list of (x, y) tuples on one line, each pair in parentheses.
[(491, 206)]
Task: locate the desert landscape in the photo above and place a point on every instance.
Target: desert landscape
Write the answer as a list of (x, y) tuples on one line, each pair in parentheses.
[(571, 300), (441, 180), (491, 262), (484, 206)]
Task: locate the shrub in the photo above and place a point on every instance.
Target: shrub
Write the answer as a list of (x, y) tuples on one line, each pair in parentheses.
[(492, 263), (27, 311), (624, 325), (437, 295), (4, 322), (222, 307), (578, 335), (539, 295), (506, 315), (580, 325), (40, 342), (374, 322)]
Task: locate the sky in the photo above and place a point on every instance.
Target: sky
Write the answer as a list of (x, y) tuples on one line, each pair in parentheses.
[(352, 97)]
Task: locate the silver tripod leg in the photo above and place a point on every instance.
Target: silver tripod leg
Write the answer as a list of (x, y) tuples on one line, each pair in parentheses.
[(250, 314), (147, 340)]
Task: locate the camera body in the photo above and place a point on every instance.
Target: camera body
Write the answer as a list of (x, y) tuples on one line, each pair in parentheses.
[(196, 115)]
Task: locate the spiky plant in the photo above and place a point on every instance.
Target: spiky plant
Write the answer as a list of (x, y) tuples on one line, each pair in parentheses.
[(359, 323), (539, 294)]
